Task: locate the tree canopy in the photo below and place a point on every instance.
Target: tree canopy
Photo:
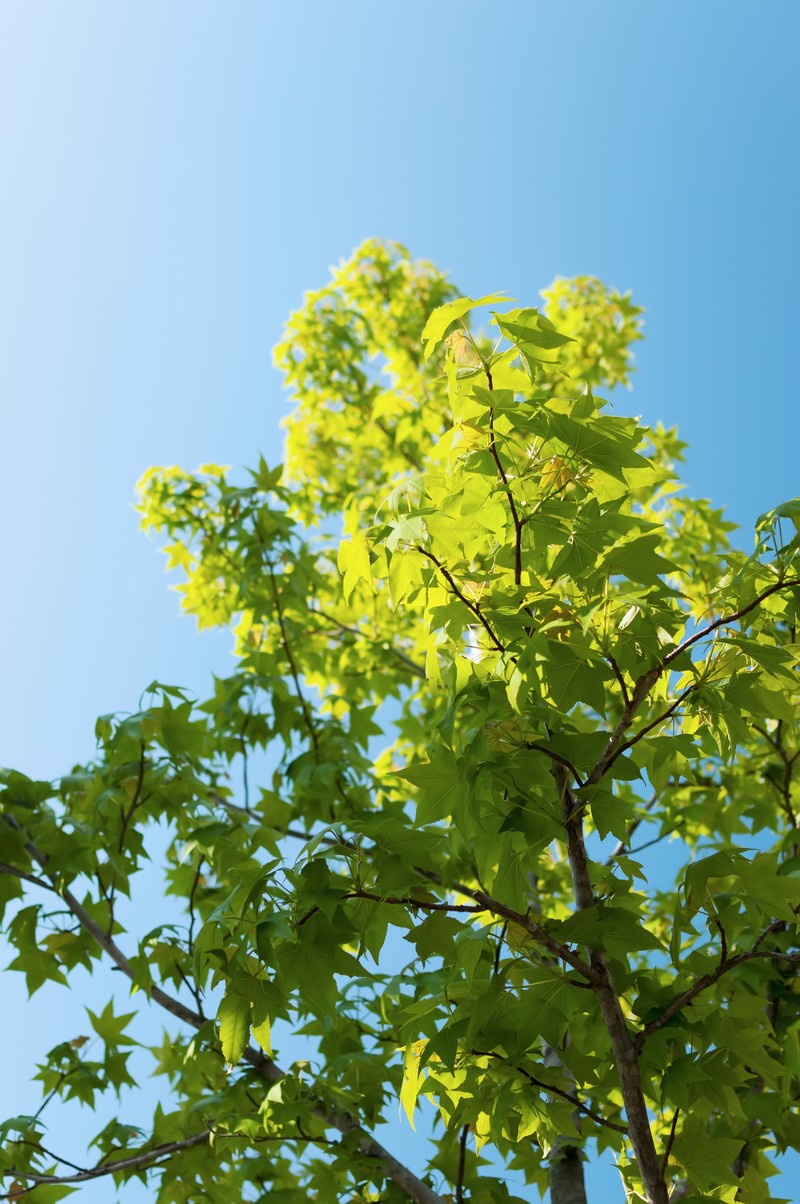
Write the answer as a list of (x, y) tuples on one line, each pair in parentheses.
[(491, 662)]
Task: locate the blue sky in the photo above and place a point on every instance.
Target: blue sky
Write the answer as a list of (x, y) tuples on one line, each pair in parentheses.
[(175, 176)]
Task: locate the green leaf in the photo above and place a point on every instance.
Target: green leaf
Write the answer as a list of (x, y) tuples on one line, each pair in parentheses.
[(262, 1034), (614, 929), (233, 1015), (706, 1160), (445, 315), (440, 785), (576, 675)]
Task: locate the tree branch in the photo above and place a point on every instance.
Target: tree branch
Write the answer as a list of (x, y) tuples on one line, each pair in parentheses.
[(411, 665), (410, 901), (548, 752), (621, 846), (670, 1140), (553, 1090), (539, 934), (605, 989), (134, 1162), (623, 851), (726, 620), (472, 607), (507, 489), (24, 876), (645, 683), (312, 731), (708, 980)]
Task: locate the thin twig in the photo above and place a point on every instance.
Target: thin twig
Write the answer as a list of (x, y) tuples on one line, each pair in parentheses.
[(290, 658), (670, 1140), (128, 815), (549, 1087), (622, 845), (472, 607), (499, 948), (725, 965), (190, 905), (620, 679), (548, 752), (411, 665), (410, 901), (648, 844), (515, 518), (726, 620)]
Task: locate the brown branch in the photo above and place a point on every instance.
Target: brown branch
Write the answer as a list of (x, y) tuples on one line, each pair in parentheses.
[(410, 901), (726, 620), (25, 877), (549, 1087), (620, 679), (134, 1162), (605, 989), (670, 1140), (411, 665), (641, 689), (472, 607), (539, 934), (705, 981), (645, 683), (485, 901), (559, 760), (662, 718)]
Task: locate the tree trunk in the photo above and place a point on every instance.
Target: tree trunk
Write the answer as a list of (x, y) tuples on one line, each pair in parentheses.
[(566, 1160), (566, 1176), (605, 990)]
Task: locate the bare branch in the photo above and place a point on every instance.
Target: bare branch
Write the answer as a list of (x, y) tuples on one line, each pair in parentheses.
[(623, 851)]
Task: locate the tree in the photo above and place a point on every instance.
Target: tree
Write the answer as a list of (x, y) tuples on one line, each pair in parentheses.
[(463, 731)]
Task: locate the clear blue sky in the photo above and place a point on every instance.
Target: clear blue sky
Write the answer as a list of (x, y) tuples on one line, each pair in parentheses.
[(175, 175)]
